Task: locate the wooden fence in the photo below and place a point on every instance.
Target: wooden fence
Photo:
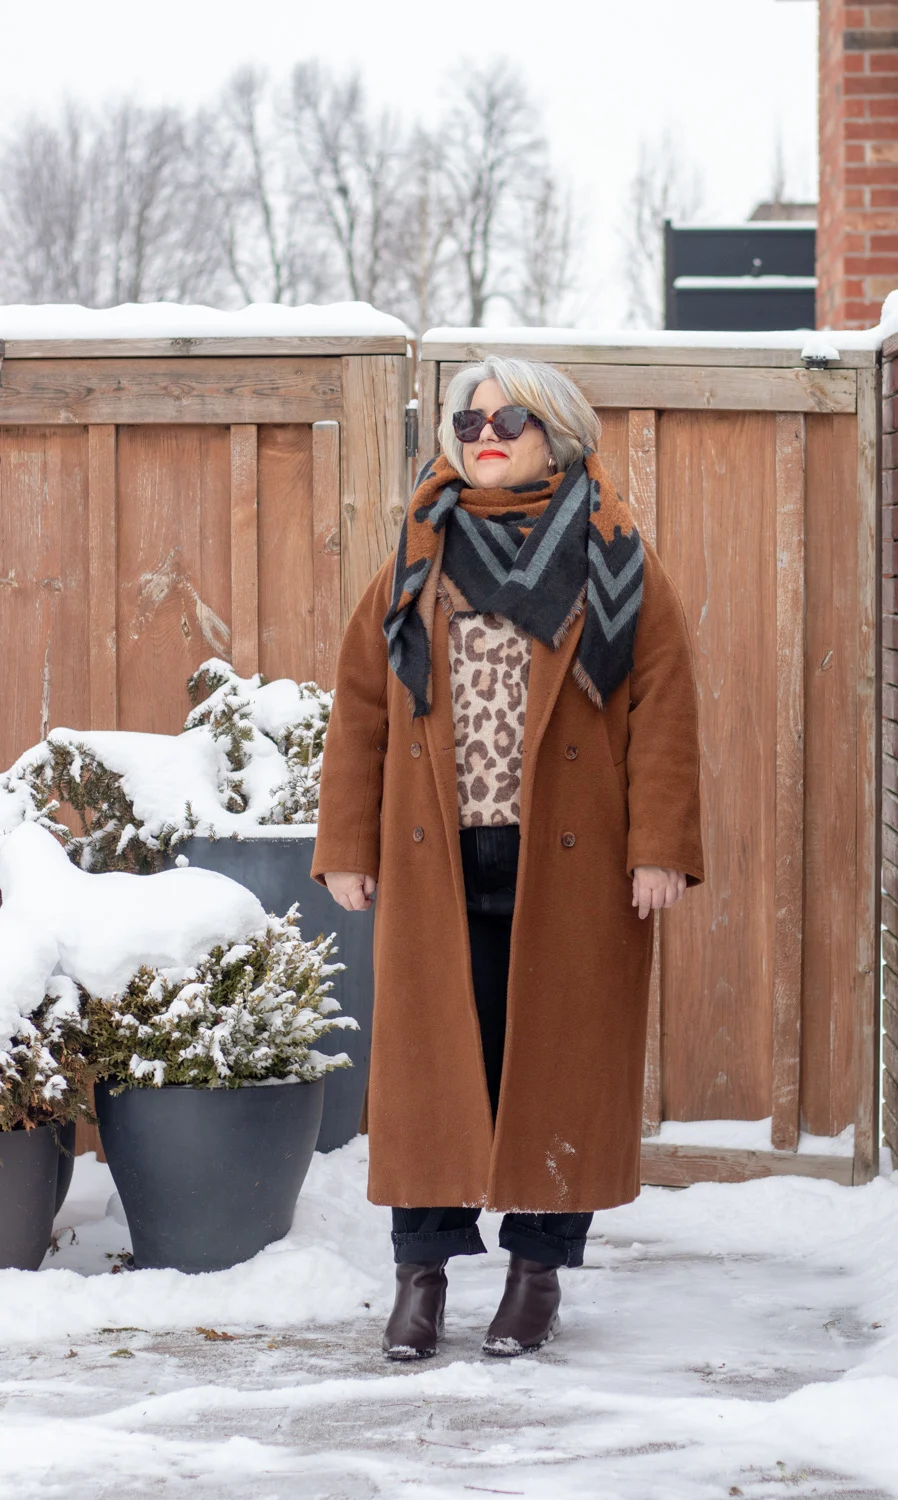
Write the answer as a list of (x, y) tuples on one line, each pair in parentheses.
[(757, 481), (890, 743), (163, 501)]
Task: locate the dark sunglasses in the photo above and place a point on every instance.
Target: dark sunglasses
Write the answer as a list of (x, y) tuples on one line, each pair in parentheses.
[(508, 422)]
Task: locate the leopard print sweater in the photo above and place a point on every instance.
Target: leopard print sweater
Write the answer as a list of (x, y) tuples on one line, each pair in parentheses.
[(489, 663)]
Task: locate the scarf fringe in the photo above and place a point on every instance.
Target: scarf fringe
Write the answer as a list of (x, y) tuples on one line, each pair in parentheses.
[(564, 627), (584, 681)]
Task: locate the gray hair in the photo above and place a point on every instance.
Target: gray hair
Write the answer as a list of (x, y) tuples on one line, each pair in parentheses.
[(570, 422)]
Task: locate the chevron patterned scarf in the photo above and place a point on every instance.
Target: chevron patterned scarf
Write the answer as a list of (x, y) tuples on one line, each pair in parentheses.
[(537, 554)]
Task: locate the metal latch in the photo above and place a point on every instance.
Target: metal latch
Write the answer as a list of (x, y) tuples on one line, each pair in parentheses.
[(411, 429)]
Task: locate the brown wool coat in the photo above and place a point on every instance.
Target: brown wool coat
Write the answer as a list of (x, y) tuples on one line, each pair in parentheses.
[(603, 790)]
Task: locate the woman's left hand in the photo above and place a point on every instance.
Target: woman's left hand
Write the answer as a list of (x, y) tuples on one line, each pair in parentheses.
[(654, 888)]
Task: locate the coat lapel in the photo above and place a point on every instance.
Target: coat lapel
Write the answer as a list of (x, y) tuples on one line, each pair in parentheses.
[(439, 730)]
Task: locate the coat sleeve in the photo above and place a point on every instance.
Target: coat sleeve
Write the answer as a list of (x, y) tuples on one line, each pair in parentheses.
[(663, 750), (356, 741)]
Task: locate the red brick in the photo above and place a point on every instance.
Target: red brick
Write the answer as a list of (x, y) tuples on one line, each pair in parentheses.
[(884, 242), (871, 130), (871, 176), (883, 62), (884, 198), (855, 198), (865, 83), (881, 108), (853, 289), (862, 314), (890, 450), (871, 265), (855, 152), (880, 17), (855, 62), (855, 16), (857, 109)]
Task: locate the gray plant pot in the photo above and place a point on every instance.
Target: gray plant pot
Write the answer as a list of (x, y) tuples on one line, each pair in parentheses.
[(29, 1172), (208, 1177), (276, 870), (65, 1138)]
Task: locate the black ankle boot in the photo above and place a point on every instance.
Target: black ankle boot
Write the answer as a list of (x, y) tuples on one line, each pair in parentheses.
[(415, 1325), (527, 1316)]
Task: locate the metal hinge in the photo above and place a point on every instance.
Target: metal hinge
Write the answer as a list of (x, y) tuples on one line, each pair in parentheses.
[(411, 430)]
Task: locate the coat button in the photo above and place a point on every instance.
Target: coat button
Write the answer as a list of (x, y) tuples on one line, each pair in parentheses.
[(418, 835), (571, 752), (569, 840), (416, 749)]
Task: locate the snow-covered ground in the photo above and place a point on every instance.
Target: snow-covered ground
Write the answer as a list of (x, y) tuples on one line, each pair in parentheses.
[(723, 1340)]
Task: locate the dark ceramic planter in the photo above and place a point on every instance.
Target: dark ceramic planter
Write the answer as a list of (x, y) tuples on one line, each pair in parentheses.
[(208, 1177), (29, 1173), (276, 870), (65, 1137)]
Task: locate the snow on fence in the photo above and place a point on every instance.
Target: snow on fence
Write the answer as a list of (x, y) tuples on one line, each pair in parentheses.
[(757, 479), (177, 483)]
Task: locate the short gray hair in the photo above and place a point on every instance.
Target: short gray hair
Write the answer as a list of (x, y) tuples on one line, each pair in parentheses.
[(570, 422)]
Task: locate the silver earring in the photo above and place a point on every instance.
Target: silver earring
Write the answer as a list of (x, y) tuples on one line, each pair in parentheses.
[(553, 465)]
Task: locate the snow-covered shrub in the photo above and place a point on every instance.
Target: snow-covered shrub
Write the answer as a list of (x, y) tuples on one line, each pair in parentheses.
[(250, 755), (43, 1070), (240, 1015)]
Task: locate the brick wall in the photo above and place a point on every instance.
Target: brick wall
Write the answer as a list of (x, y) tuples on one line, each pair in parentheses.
[(857, 236), (890, 742)]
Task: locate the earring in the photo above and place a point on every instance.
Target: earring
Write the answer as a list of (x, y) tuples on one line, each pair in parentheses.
[(553, 464)]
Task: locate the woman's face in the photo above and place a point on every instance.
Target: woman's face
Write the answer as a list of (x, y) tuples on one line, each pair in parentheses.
[(491, 463)]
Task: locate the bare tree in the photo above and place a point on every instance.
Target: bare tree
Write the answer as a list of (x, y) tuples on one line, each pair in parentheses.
[(548, 235), (491, 155), (354, 161), (107, 208), (663, 187), (275, 250)]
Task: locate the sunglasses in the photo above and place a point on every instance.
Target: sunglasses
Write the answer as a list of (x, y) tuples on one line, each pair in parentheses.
[(508, 422)]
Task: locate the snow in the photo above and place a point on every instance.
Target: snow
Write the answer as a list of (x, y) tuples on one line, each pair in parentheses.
[(745, 283), (172, 320), (162, 773), (726, 1339), (846, 340), (99, 929), (750, 1135)]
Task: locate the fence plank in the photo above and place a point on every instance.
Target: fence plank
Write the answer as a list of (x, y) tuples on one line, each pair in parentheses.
[(717, 944), (667, 1165), (245, 548), (789, 832), (373, 469), (62, 392), (642, 437), (276, 345), (102, 586), (462, 350), (326, 548), (687, 388), (286, 552), (868, 772), (428, 411)]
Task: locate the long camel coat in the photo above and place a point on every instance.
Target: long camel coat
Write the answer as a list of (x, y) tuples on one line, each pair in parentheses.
[(603, 790)]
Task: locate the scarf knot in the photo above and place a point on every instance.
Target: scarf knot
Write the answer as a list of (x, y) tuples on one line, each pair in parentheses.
[(537, 554)]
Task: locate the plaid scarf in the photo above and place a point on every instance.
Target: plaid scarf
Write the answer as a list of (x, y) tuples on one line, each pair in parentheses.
[(537, 554)]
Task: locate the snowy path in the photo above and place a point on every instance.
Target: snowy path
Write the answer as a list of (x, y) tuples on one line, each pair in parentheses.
[(719, 1341)]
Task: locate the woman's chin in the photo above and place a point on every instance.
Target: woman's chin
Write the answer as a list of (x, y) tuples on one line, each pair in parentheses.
[(490, 472)]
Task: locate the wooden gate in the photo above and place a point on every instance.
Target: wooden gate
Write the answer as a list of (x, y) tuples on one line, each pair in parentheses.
[(167, 500), (757, 481)]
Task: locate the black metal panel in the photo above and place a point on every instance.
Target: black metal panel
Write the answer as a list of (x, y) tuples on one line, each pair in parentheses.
[(732, 310)]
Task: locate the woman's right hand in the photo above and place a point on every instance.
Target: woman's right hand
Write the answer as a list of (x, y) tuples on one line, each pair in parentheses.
[(352, 892)]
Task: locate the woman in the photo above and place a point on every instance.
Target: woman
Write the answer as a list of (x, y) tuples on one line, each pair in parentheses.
[(512, 761)]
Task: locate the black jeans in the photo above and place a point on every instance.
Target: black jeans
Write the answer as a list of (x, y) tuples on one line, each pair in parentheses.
[(490, 862)]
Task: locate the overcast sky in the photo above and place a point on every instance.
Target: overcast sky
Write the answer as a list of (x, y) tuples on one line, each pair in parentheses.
[(727, 76)]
